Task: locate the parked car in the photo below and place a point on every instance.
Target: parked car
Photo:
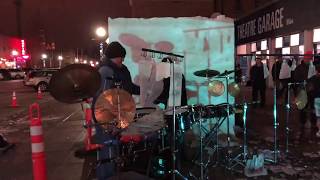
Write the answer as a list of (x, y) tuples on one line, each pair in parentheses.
[(16, 74), (39, 79)]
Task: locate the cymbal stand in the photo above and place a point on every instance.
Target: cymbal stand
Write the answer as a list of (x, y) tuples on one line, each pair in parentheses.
[(173, 147), (228, 123), (201, 164), (275, 126), (244, 154), (288, 107)]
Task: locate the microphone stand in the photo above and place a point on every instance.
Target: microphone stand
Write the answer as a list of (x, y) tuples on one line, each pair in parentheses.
[(173, 145)]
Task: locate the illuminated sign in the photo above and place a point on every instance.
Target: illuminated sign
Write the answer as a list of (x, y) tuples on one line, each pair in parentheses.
[(278, 19)]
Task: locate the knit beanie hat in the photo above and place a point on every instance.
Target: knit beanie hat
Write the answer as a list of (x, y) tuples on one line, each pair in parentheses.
[(115, 49)]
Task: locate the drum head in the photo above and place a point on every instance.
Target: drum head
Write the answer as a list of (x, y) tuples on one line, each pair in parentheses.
[(147, 124), (216, 88)]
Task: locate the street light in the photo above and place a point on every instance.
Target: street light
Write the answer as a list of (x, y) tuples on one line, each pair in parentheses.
[(44, 57), (60, 58), (101, 33)]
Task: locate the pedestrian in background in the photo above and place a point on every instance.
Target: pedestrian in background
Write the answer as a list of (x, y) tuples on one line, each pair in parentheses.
[(258, 75)]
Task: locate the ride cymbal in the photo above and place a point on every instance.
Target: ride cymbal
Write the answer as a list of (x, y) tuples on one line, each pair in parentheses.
[(206, 73), (74, 83), (114, 107)]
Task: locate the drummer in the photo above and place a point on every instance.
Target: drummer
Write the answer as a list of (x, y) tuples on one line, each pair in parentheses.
[(113, 74)]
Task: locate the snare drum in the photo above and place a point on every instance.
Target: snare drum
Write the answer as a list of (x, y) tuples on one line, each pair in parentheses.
[(144, 128)]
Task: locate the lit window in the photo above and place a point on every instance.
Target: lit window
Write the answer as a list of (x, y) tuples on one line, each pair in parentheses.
[(301, 49), (279, 42), (258, 52), (286, 50), (294, 40), (264, 45), (253, 47), (242, 49), (316, 35)]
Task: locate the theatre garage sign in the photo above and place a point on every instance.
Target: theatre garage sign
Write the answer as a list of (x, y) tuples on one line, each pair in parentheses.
[(279, 18)]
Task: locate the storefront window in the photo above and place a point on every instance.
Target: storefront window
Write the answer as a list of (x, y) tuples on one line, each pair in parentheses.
[(316, 35), (301, 49), (253, 47), (279, 42), (264, 45), (286, 50), (294, 40), (242, 49)]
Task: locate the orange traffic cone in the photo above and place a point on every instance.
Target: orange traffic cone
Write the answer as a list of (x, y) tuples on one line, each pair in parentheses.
[(37, 144), (14, 100), (39, 94)]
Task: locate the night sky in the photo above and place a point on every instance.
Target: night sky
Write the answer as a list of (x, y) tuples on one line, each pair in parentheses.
[(71, 23)]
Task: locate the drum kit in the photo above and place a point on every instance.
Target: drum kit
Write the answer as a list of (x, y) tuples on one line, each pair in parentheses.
[(148, 129)]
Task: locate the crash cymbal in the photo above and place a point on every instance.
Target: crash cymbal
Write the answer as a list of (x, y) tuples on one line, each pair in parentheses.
[(108, 106), (74, 83), (301, 100), (206, 73), (225, 73), (216, 88), (234, 89)]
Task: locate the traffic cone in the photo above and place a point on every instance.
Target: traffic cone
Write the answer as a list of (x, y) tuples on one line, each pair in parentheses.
[(14, 100), (37, 144), (39, 94)]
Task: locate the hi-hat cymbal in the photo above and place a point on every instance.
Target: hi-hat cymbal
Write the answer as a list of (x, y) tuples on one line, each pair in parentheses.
[(74, 83), (108, 106), (216, 88), (234, 89), (206, 73), (301, 100)]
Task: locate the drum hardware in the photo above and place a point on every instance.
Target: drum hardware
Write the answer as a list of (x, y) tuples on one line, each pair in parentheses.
[(237, 159), (201, 163), (275, 127), (226, 76)]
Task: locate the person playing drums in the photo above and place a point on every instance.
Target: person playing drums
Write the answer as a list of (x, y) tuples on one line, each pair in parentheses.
[(113, 74)]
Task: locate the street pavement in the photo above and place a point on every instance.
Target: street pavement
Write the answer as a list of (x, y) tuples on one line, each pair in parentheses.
[(62, 128)]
